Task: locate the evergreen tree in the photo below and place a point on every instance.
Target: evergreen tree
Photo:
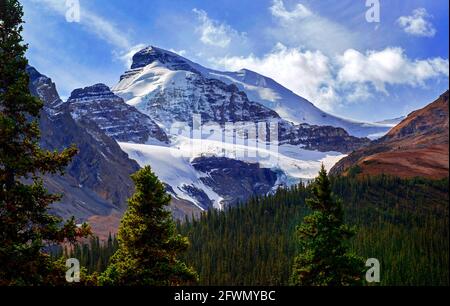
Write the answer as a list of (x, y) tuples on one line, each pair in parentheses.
[(323, 236), (25, 224), (148, 243)]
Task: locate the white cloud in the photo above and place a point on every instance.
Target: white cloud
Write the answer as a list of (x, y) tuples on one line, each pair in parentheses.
[(93, 23), (303, 27), (307, 73), (417, 24), (388, 66), (279, 10), (359, 93), (214, 33)]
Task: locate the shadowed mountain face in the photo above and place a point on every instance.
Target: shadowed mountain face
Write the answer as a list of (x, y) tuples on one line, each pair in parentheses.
[(417, 146), (97, 181), (236, 181)]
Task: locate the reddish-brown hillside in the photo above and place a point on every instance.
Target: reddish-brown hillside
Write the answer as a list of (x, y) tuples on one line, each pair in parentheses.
[(417, 146)]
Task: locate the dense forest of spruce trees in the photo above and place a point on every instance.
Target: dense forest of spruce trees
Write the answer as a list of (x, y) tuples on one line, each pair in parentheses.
[(401, 222)]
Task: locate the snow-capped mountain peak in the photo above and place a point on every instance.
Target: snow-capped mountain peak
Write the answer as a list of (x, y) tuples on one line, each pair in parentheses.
[(169, 89), (157, 74), (171, 60)]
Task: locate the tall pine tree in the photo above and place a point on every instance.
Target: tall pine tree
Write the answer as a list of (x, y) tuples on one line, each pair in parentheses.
[(148, 242), (323, 238), (25, 224)]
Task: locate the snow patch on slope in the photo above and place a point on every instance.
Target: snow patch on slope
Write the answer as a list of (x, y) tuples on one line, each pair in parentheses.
[(172, 168)]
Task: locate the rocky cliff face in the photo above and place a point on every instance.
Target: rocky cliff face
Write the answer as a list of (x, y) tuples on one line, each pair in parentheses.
[(113, 116), (235, 181), (417, 146), (97, 181), (320, 138)]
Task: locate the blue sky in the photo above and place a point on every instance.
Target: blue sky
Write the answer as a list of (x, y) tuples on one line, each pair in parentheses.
[(323, 50)]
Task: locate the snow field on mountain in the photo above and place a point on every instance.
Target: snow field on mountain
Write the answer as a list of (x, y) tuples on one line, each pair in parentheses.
[(172, 164)]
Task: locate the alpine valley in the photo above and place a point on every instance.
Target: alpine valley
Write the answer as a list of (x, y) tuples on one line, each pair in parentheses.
[(213, 138)]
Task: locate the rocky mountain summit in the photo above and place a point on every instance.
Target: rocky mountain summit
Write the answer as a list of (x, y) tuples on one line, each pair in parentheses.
[(113, 116)]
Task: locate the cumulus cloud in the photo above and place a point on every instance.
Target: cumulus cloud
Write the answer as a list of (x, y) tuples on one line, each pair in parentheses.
[(214, 33), (417, 24), (307, 73), (332, 81), (301, 26), (388, 66)]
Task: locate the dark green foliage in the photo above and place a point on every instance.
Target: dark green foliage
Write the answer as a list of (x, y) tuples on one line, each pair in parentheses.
[(93, 254), (25, 224), (323, 240), (403, 223), (148, 242)]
